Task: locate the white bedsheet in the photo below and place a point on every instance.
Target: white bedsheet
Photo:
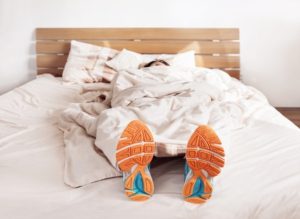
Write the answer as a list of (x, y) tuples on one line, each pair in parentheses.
[(261, 178)]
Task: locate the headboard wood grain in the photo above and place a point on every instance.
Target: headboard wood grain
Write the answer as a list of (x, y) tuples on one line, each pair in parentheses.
[(214, 47)]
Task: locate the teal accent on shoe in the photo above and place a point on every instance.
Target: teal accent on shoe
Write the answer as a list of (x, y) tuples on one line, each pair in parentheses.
[(198, 188), (186, 170), (138, 186)]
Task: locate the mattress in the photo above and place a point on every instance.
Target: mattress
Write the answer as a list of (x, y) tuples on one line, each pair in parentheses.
[(261, 178)]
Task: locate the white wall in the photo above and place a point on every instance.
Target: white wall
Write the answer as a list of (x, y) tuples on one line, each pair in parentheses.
[(270, 33)]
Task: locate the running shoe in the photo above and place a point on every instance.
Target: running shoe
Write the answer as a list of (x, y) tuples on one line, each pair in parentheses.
[(204, 160), (135, 151)]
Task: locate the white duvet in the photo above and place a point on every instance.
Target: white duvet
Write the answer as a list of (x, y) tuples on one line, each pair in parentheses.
[(261, 178), (172, 101)]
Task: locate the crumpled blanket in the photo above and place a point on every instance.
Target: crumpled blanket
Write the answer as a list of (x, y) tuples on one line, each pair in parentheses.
[(172, 101)]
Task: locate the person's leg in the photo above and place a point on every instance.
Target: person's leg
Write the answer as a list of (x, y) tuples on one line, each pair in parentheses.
[(204, 160)]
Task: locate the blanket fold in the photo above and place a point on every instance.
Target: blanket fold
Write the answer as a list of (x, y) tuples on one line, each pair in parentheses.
[(171, 101)]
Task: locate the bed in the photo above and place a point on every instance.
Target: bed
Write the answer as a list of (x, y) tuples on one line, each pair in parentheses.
[(261, 178)]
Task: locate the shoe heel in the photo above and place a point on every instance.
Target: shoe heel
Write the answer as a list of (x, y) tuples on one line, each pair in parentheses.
[(197, 189)]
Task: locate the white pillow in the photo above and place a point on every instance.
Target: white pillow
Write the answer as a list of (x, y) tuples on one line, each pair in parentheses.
[(86, 63), (125, 59), (129, 59)]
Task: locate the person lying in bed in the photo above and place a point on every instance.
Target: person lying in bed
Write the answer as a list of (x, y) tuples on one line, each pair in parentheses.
[(156, 62), (136, 147)]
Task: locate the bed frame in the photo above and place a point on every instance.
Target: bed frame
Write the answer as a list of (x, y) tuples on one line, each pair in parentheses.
[(214, 47)]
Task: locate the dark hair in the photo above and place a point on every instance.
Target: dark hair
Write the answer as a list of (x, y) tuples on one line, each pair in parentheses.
[(157, 60)]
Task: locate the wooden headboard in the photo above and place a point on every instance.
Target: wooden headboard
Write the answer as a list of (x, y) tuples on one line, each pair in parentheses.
[(214, 47)]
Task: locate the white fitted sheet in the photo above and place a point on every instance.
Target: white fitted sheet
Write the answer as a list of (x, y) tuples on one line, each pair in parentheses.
[(261, 178)]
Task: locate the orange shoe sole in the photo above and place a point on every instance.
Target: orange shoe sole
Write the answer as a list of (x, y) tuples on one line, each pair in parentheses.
[(205, 157), (136, 147)]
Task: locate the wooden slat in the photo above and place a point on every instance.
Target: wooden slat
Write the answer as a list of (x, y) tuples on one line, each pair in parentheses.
[(51, 61), (54, 61), (137, 33), (218, 61), (200, 47)]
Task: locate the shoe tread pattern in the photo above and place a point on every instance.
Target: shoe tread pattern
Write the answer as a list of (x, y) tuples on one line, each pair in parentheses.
[(204, 153), (136, 147)]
